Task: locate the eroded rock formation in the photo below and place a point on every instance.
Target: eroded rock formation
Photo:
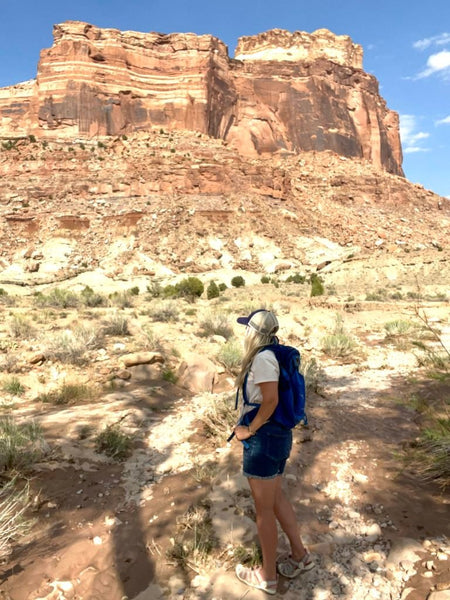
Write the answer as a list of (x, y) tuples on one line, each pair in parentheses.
[(286, 92)]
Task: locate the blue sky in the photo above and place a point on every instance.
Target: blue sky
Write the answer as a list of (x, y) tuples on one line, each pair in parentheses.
[(406, 46)]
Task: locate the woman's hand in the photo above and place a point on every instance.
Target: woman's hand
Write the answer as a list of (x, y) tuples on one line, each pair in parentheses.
[(242, 432)]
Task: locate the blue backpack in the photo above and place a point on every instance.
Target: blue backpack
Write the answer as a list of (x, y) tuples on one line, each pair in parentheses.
[(290, 410)]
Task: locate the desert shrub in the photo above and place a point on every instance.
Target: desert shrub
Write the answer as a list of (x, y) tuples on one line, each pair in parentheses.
[(67, 393), (164, 312), (312, 373), (13, 386), (379, 295), (238, 281), (116, 324), (121, 299), (317, 288), (430, 356), (219, 416), (222, 287), (169, 375), (155, 289), (191, 287), (134, 291), (20, 327), (57, 298), (216, 324), (251, 557), (14, 502), (398, 328), (151, 341), (194, 538), (297, 278), (230, 355), (70, 346), (338, 344), (432, 458), (212, 291), (21, 444), (92, 299), (113, 442)]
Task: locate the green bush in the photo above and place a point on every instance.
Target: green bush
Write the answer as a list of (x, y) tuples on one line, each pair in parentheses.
[(57, 298), (222, 287), (317, 288), (297, 278), (134, 291), (238, 281), (212, 291), (265, 279), (191, 287)]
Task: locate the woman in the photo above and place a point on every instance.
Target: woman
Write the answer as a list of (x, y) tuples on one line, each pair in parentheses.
[(267, 446)]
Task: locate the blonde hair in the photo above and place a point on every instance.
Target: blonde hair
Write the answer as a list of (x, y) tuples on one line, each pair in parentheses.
[(253, 343)]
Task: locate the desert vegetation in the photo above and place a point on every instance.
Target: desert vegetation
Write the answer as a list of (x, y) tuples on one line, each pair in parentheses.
[(66, 350)]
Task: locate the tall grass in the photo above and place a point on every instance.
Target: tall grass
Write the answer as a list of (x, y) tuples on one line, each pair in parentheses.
[(14, 502), (20, 444)]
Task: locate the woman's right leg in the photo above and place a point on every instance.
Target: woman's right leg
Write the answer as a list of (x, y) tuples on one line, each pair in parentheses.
[(285, 515)]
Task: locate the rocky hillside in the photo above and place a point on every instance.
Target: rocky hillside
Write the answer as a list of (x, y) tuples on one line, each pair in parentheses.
[(284, 92), (172, 202)]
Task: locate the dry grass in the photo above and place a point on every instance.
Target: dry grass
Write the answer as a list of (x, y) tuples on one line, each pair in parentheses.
[(14, 502)]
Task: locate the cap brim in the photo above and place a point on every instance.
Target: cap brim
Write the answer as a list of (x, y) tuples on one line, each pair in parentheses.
[(242, 320)]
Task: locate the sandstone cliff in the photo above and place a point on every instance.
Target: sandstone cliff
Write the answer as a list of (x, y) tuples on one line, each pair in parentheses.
[(287, 92)]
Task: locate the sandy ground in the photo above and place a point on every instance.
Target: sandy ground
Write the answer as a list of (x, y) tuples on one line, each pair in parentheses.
[(104, 529)]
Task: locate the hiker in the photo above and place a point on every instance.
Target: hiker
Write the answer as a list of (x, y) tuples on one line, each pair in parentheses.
[(266, 447)]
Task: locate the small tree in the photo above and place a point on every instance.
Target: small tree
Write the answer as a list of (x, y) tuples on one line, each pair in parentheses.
[(238, 281), (317, 288), (212, 291), (191, 287)]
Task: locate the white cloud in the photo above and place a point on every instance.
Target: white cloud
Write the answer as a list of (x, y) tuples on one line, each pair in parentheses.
[(437, 40), (443, 121), (411, 138), (437, 63)]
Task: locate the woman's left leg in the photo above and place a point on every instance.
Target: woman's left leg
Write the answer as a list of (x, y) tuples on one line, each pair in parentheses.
[(264, 493)]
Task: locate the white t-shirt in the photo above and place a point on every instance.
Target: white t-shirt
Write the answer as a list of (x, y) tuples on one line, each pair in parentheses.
[(264, 368)]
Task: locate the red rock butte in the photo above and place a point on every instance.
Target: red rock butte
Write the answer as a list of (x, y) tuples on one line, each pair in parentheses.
[(284, 92)]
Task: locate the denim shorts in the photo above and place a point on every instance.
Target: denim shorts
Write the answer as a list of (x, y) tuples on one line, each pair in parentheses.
[(266, 452)]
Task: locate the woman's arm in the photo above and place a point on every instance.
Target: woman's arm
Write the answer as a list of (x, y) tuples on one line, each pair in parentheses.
[(269, 391)]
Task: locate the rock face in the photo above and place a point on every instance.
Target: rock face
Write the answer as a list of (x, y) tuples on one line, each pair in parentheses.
[(286, 92)]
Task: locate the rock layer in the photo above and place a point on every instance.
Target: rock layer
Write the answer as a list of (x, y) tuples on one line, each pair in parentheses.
[(286, 92)]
